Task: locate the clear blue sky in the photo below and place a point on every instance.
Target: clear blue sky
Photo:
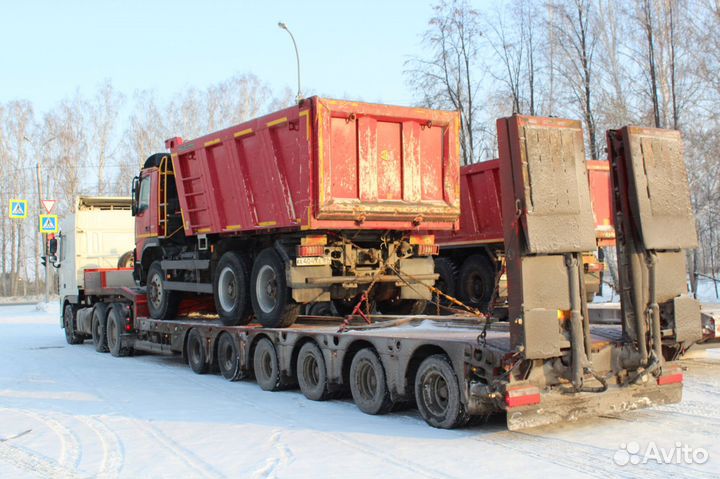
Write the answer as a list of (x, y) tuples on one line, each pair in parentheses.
[(354, 49)]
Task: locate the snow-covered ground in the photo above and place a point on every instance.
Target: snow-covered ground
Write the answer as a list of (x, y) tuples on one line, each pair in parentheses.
[(67, 411)]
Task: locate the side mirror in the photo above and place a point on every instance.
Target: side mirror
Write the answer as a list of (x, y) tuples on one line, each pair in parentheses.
[(135, 182)]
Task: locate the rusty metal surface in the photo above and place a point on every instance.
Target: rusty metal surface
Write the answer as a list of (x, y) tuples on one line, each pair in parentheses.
[(557, 407), (659, 187)]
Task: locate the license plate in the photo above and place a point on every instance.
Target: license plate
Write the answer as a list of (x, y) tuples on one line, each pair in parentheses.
[(312, 261)]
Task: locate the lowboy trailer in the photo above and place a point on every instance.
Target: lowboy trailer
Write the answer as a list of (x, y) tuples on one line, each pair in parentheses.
[(545, 364)]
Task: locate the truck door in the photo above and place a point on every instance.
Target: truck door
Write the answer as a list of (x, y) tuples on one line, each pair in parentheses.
[(146, 217)]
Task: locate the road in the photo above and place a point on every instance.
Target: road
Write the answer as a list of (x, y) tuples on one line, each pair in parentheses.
[(67, 411)]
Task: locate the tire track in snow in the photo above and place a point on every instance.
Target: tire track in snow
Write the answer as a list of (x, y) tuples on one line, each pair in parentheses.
[(583, 458), (38, 465), (113, 454), (422, 470), (70, 452)]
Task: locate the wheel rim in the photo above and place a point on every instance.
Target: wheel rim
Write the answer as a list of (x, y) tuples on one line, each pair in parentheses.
[(435, 393), (228, 356), (367, 380), (155, 291), (311, 371), (266, 288), (266, 364), (227, 289)]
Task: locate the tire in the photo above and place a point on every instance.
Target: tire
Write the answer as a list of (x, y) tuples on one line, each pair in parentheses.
[(311, 373), (402, 307), (271, 298), (99, 323), (368, 383), (345, 307), (196, 352), (115, 329), (266, 366), (322, 308), (162, 304), (447, 283), (69, 324), (476, 282), (231, 290), (127, 260), (438, 395), (228, 358)]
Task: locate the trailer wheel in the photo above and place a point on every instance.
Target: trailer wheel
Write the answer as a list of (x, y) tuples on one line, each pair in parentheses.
[(99, 324), (231, 289), (438, 395), (162, 304), (196, 352), (476, 282), (127, 260), (266, 366), (69, 324), (228, 358), (311, 373), (115, 329), (271, 297), (368, 383), (402, 307)]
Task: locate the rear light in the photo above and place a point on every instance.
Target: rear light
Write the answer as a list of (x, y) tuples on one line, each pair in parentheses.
[(422, 239), (522, 396), (425, 245), (128, 327), (672, 378), (594, 267), (313, 240), (315, 250), (428, 250)]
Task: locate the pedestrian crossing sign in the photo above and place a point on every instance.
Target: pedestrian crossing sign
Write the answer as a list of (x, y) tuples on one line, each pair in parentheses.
[(18, 209), (48, 223)]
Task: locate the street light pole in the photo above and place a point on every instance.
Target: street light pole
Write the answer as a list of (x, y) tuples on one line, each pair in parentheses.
[(298, 97)]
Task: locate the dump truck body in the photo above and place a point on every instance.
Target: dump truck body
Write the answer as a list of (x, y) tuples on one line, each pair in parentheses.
[(324, 201)]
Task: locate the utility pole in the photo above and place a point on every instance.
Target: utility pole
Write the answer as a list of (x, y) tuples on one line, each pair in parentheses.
[(41, 195)]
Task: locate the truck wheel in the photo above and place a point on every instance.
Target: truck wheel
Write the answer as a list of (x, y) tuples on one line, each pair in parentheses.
[(196, 352), (402, 307), (438, 395), (162, 304), (368, 384), (311, 373), (99, 323), (115, 330), (231, 290), (266, 366), (69, 324), (447, 283), (228, 358), (271, 297), (476, 282), (321, 308)]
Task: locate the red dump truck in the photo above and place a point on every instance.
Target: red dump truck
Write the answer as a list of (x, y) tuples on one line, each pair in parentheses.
[(546, 364), (312, 203), (470, 256)]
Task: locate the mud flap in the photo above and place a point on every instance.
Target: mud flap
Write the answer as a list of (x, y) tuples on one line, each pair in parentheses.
[(556, 407)]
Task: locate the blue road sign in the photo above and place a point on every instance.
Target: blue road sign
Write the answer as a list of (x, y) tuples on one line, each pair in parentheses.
[(48, 223), (18, 209)]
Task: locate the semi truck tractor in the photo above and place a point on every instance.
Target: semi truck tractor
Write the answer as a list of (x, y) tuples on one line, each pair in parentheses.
[(546, 363), (470, 262), (322, 201)]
